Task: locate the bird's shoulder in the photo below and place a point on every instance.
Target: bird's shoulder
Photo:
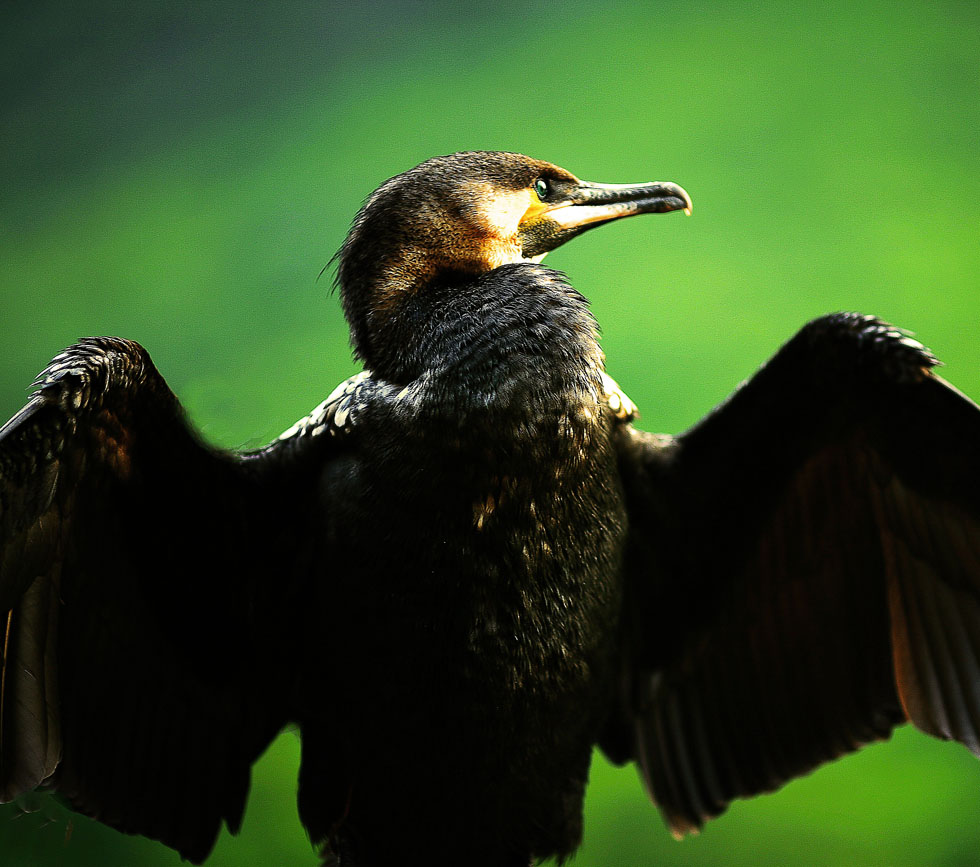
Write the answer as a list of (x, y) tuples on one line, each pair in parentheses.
[(435, 406)]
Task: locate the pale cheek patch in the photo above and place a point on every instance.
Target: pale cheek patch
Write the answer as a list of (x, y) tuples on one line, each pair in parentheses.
[(500, 215), (502, 210)]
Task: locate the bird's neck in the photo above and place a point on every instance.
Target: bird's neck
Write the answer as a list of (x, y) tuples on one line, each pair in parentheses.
[(518, 329)]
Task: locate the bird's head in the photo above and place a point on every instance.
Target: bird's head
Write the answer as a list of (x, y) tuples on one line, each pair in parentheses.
[(455, 217)]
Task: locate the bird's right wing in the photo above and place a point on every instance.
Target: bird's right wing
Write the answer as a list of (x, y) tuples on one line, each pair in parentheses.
[(804, 569), (146, 588)]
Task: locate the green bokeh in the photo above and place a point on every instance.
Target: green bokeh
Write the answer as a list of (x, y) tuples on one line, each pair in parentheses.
[(180, 173)]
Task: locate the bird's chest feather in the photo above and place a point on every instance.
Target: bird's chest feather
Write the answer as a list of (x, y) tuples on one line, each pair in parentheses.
[(498, 548), (543, 549)]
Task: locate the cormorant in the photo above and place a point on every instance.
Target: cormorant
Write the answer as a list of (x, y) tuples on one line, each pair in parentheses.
[(467, 567)]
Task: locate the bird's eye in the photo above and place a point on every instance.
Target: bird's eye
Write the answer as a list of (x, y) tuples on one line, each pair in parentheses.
[(541, 188)]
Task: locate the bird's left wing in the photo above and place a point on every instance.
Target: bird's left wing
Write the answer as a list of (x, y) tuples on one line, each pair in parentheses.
[(804, 570), (145, 590)]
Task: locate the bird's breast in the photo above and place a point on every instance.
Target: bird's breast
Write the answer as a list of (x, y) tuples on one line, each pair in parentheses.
[(499, 531)]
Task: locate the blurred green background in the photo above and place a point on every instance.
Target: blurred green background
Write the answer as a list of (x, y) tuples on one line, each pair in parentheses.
[(180, 173)]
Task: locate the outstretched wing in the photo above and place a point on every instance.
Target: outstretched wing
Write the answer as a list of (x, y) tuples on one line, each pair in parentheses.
[(805, 568), (144, 589)]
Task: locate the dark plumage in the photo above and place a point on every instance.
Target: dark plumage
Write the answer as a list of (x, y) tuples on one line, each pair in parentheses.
[(467, 567)]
